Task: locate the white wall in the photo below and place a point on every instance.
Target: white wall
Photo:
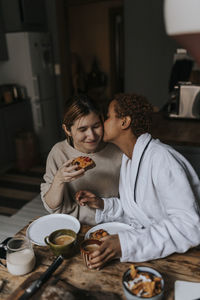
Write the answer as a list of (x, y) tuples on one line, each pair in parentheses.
[(148, 50)]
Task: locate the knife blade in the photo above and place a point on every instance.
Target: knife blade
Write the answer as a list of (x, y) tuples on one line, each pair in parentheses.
[(38, 283)]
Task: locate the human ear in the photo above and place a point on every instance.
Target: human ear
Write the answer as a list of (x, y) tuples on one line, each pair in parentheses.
[(67, 132), (126, 122)]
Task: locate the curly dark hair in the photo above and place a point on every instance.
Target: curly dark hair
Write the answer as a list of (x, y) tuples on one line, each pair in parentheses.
[(138, 108)]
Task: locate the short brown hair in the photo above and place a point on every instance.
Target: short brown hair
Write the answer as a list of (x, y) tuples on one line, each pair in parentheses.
[(77, 107), (138, 108)]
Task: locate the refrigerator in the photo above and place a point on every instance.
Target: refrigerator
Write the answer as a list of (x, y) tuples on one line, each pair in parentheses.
[(31, 66)]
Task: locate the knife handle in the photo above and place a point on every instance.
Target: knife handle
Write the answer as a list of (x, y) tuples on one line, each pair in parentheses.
[(37, 283), (50, 269)]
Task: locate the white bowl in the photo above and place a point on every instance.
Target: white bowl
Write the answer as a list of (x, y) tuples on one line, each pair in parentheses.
[(130, 296)]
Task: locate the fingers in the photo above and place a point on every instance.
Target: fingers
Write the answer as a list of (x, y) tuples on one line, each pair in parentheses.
[(68, 163), (68, 167), (79, 195), (100, 259), (72, 169), (68, 177), (80, 198), (98, 265), (87, 200), (105, 238), (83, 194), (83, 202), (109, 249), (73, 172), (68, 172)]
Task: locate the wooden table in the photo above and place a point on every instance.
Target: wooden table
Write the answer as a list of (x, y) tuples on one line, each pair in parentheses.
[(103, 284)]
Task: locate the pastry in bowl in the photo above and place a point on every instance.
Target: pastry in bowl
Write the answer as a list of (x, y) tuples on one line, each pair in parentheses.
[(143, 282), (98, 234), (84, 162)]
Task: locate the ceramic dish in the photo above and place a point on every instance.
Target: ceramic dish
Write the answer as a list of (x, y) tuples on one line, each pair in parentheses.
[(130, 296), (45, 225)]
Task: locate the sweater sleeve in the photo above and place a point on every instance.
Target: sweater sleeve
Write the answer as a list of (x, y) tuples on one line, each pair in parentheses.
[(51, 169), (178, 230)]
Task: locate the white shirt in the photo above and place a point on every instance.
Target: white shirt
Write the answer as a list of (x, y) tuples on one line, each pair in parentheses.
[(163, 209)]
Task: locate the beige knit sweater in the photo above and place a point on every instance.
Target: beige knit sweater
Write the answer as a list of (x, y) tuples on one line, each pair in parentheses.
[(103, 180)]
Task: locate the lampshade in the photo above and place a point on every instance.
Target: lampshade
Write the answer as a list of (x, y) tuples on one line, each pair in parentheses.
[(182, 16), (182, 22)]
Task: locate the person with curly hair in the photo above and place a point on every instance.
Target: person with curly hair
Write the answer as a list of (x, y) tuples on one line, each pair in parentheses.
[(159, 191)]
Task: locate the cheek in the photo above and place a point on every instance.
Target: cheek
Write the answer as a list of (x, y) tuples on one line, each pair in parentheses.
[(106, 126), (99, 131), (78, 137), (105, 122)]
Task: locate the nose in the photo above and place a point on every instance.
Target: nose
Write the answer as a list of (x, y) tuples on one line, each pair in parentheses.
[(91, 134)]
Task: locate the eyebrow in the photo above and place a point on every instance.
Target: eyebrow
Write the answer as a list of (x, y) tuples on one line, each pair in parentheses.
[(82, 127)]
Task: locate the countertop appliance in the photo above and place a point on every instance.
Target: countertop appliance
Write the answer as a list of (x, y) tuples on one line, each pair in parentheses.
[(30, 65), (184, 101)]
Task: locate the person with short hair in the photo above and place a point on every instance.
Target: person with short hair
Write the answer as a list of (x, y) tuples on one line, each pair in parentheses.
[(83, 126), (159, 191)]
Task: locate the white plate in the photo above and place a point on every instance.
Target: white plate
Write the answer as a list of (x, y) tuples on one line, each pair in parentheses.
[(43, 227), (111, 228)]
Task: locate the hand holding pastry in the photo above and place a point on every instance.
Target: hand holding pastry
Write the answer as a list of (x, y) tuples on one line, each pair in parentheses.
[(68, 172)]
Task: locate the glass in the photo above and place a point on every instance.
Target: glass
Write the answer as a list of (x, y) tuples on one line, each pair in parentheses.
[(87, 247), (20, 257)]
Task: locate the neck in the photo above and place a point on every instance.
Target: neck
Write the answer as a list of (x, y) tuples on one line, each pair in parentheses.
[(101, 146), (126, 143)]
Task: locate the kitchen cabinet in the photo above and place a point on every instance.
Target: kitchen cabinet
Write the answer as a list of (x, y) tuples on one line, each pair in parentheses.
[(23, 15), (14, 118), (3, 45)]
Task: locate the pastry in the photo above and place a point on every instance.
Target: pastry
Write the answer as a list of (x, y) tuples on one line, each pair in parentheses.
[(84, 162), (98, 234)]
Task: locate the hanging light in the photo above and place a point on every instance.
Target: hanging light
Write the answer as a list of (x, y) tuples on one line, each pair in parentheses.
[(182, 21)]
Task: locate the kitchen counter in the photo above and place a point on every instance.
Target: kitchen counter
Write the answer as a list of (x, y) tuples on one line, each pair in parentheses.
[(183, 132)]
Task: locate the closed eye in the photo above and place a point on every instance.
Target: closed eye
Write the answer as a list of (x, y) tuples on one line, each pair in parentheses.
[(82, 129), (97, 125)]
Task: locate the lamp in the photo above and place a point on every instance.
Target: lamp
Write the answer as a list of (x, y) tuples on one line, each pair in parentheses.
[(182, 22)]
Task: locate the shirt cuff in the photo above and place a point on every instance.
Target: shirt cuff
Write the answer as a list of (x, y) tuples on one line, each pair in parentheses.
[(101, 214)]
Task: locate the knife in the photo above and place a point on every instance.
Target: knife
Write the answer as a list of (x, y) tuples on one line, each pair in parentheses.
[(37, 283)]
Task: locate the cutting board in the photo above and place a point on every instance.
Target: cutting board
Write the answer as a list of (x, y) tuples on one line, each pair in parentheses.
[(185, 290), (59, 290)]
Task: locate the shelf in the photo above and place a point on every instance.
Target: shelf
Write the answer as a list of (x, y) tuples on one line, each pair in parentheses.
[(3, 105)]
